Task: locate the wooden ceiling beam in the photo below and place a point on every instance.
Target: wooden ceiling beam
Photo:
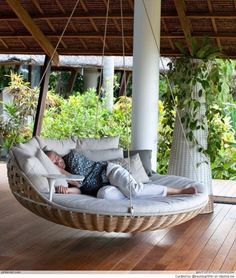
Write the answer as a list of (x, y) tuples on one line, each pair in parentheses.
[(216, 15), (5, 45), (213, 22), (131, 4), (76, 15), (231, 35), (92, 22), (184, 22), (93, 35), (36, 3), (37, 34), (22, 42), (126, 15), (60, 6), (163, 23), (50, 25)]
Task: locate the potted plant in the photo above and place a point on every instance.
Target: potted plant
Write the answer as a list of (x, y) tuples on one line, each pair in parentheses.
[(193, 78)]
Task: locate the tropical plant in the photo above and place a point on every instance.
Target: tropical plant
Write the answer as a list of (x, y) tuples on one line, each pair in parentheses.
[(84, 115), (14, 124)]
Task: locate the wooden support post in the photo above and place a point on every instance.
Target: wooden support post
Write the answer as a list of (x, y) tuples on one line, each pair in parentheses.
[(71, 82), (42, 97), (124, 81)]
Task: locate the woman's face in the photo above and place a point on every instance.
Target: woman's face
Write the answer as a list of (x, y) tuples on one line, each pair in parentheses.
[(57, 160)]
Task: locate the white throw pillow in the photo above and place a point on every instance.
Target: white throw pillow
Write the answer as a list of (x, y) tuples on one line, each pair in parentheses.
[(135, 167), (103, 155), (137, 170), (50, 167), (30, 147), (35, 171), (20, 155), (62, 147), (103, 143)]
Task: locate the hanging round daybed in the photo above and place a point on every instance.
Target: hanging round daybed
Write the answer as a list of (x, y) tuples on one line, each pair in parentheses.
[(91, 213)]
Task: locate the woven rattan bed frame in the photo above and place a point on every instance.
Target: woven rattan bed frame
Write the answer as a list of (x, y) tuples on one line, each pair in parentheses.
[(25, 193)]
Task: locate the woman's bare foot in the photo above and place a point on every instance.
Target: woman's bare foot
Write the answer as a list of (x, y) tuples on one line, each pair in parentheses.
[(189, 190), (176, 191)]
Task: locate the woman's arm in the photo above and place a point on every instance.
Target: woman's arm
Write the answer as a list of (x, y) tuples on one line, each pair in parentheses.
[(73, 183)]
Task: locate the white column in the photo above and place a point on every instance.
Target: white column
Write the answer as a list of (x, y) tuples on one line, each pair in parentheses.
[(90, 78), (108, 81), (146, 76)]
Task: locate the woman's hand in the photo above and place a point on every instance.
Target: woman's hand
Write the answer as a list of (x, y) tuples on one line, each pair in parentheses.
[(61, 189)]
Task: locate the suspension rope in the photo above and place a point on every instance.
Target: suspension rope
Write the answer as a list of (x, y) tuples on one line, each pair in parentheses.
[(171, 91), (101, 72), (59, 41), (131, 209)]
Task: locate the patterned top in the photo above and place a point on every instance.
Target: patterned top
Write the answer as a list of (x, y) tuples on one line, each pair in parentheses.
[(94, 172)]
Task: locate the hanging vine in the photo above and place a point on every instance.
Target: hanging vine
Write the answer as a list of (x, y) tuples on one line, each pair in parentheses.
[(200, 71)]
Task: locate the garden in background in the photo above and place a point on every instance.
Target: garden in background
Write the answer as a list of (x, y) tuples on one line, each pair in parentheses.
[(83, 115)]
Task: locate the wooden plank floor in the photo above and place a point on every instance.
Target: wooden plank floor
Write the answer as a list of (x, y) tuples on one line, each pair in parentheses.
[(28, 242)]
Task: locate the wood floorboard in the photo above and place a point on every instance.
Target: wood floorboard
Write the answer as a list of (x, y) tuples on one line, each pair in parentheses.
[(188, 253), (223, 252), (214, 243), (229, 263), (165, 258), (28, 242), (187, 236)]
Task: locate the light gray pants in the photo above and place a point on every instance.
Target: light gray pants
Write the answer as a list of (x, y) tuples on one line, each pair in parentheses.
[(121, 179)]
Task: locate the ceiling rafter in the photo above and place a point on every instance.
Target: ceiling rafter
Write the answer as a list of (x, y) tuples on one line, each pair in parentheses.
[(76, 31), (50, 25), (115, 21), (22, 42), (131, 4), (76, 15), (37, 34), (3, 42), (35, 2), (84, 35), (229, 35), (60, 6), (185, 24), (64, 44), (213, 22), (127, 15), (83, 43), (92, 22), (90, 19), (10, 27), (166, 31)]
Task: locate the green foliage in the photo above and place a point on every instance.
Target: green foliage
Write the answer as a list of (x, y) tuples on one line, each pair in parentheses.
[(14, 126), (5, 75), (224, 166), (216, 80), (83, 115), (58, 82), (203, 50)]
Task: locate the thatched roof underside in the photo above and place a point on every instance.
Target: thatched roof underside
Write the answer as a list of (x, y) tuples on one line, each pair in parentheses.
[(84, 34)]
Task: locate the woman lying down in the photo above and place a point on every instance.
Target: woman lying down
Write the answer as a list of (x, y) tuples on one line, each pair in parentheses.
[(98, 174)]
